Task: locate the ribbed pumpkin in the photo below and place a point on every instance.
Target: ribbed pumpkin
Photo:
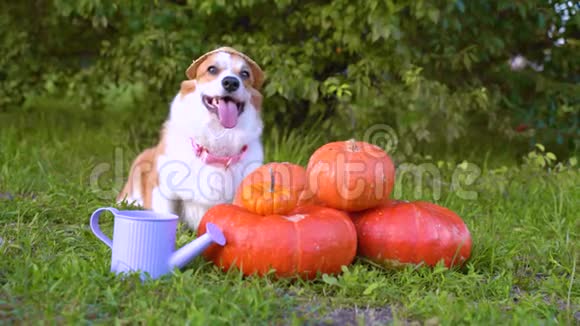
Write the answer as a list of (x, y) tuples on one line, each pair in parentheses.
[(308, 240), (274, 188), (351, 175), (399, 233)]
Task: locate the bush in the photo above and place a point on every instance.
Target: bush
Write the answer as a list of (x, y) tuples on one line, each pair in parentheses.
[(433, 70)]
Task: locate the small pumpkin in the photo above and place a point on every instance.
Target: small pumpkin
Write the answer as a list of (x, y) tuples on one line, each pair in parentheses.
[(309, 240), (351, 175), (399, 233), (274, 188)]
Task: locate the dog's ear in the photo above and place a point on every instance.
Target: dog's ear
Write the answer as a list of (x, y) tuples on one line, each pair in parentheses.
[(256, 99), (187, 86), (257, 73)]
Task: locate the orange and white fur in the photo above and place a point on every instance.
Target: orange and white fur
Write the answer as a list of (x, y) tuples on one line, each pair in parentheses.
[(209, 143)]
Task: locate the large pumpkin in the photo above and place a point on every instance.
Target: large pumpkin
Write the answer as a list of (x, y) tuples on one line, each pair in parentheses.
[(274, 188), (351, 175), (309, 240), (399, 233)]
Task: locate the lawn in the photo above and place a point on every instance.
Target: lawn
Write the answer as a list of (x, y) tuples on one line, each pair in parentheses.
[(54, 172)]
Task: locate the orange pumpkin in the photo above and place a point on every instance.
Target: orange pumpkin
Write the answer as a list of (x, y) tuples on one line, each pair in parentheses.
[(309, 240), (274, 188), (400, 233), (351, 175)]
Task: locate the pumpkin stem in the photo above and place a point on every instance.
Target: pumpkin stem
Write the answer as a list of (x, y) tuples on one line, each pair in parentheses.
[(352, 146), (272, 180)]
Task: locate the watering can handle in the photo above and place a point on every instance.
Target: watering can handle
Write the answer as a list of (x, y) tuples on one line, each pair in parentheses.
[(95, 225)]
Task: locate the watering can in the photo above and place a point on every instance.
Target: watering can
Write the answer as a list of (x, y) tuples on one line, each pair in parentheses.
[(144, 241)]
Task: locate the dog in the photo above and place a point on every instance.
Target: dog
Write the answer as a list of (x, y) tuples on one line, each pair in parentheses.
[(210, 141)]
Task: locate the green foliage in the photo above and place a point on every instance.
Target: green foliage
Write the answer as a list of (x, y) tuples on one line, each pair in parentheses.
[(433, 70)]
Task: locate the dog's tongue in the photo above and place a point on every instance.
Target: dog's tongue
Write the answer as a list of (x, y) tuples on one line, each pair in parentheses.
[(228, 113)]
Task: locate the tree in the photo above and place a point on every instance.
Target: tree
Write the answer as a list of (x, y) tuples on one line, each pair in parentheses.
[(433, 70)]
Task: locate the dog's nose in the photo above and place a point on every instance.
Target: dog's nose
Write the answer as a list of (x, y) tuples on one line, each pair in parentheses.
[(230, 84)]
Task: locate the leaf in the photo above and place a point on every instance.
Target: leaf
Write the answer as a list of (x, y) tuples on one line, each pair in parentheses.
[(467, 62), (439, 268), (460, 6), (551, 156), (371, 288), (541, 21), (330, 280), (541, 147), (434, 15)]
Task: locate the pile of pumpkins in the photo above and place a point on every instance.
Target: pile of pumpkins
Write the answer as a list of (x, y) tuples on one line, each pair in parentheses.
[(295, 221)]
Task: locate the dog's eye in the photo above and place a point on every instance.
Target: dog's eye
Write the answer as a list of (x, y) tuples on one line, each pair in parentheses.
[(212, 70), (245, 74)]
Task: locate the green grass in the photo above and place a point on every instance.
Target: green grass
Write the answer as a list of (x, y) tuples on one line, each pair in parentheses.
[(523, 269)]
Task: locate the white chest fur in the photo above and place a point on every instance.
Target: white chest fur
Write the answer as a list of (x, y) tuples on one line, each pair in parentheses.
[(185, 179)]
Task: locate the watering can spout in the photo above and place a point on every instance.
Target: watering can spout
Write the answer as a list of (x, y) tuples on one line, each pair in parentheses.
[(186, 253)]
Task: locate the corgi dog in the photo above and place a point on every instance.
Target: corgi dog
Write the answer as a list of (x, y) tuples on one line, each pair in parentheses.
[(210, 141)]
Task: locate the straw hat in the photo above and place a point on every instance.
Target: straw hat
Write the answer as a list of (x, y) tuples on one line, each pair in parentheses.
[(257, 72)]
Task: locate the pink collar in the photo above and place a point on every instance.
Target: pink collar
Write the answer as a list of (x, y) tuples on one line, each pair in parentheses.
[(208, 158)]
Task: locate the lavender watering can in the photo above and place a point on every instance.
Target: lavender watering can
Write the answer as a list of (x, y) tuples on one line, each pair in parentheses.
[(144, 241)]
